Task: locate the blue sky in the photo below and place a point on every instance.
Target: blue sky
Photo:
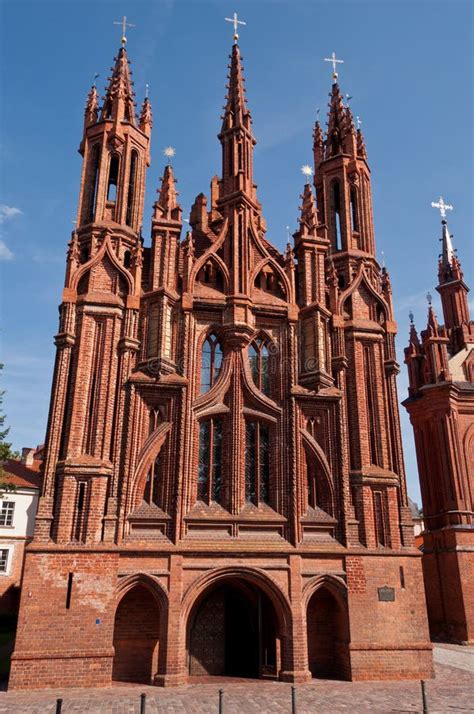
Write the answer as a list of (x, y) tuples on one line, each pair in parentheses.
[(408, 66)]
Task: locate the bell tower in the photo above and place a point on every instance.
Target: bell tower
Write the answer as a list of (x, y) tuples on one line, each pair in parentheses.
[(98, 325), (441, 406), (358, 296)]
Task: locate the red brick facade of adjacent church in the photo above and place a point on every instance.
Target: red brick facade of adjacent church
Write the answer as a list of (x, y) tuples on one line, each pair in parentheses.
[(441, 408), (224, 491)]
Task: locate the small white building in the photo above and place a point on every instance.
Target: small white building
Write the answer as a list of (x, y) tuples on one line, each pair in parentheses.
[(418, 525), (17, 521)]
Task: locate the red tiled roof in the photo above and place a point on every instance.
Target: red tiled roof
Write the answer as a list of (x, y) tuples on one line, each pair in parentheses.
[(419, 542), (16, 473)]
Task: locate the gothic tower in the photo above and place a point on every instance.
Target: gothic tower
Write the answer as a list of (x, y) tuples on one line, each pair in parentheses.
[(224, 489), (441, 408)]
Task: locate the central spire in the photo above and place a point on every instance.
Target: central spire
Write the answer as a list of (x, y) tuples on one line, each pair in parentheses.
[(236, 112), (119, 102), (236, 133)]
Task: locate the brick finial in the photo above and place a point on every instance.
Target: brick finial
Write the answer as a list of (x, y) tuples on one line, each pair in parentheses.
[(92, 107), (146, 117), (119, 98)]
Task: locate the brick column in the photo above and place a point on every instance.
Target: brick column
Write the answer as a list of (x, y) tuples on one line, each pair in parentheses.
[(294, 664), (172, 665)]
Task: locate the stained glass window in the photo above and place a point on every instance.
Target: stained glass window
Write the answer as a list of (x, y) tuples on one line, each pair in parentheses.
[(211, 361), (216, 460), (250, 462), (152, 483), (257, 463), (210, 461), (203, 470), (259, 359), (264, 464)]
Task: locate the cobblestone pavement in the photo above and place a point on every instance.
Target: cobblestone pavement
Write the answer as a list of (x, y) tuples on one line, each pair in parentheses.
[(451, 691)]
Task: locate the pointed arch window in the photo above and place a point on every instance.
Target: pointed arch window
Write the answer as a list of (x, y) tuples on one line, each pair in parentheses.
[(354, 209), (259, 359), (152, 484), (131, 187), (211, 275), (380, 518), (257, 463), (209, 487), (80, 512), (319, 491), (113, 178), (93, 182), (337, 225), (268, 281), (211, 362)]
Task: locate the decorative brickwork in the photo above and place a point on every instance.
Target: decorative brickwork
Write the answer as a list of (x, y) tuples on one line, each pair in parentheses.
[(224, 474), (441, 408)]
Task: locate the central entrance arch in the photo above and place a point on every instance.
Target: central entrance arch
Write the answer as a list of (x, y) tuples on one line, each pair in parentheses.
[(233, 630)]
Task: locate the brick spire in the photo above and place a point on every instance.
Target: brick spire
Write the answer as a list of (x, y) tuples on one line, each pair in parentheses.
[(119, 98), (92, 107), (236, 112), (318, 144), (167, 205), (453, 291), (336, 123), (432, 323), (308, 215), (413, 339), (146, 117), (236, 133), (361, 149)]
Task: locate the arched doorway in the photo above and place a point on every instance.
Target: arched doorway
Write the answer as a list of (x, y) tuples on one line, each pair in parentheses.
[(233, 631), (136, 636), (328, 636)]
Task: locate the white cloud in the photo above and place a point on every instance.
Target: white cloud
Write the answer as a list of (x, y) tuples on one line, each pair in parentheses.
[(8, 212), (5, 252)]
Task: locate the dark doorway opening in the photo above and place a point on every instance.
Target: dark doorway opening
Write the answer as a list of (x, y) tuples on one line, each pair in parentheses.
[(136, 637), (233, 632), (328, 636)]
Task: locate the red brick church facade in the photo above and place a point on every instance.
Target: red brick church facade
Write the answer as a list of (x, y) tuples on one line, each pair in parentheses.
[(224, 489), (441, 408)]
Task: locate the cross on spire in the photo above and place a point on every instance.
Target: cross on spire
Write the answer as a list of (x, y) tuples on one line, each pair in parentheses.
[(123, 22), (333, 59), (236, 22), (442, 206)]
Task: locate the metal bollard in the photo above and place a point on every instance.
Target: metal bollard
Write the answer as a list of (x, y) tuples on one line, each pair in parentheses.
[(293, 700), (59, 706), (424, 697), (221, 701), (142, 703)]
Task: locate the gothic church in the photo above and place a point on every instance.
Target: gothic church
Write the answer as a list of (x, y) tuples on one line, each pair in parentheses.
[(223, 486)]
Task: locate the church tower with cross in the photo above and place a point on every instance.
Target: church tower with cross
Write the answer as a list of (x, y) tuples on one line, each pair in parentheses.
[(223, 487), (441, 407)]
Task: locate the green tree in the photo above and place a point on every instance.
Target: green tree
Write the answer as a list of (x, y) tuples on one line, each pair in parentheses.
[(5, 447)]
